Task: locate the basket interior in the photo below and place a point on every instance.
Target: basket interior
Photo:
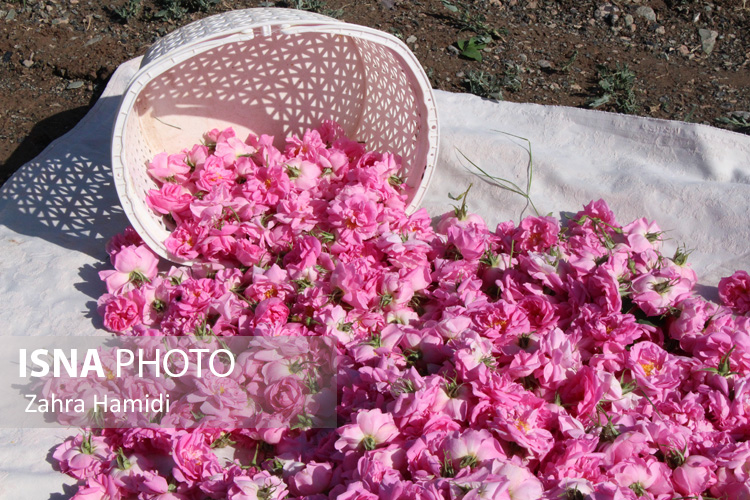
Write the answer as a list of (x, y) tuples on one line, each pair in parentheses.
[(279, 84)]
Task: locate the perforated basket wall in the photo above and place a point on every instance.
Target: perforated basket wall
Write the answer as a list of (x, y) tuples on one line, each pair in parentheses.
[(272, 71)]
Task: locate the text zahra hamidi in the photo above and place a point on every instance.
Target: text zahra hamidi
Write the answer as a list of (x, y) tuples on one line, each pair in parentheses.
[(98, 404)]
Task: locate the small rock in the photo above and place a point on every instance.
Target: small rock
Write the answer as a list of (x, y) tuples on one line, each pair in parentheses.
[(523, 57), (61, 20), (608, 13), (684, 50), (708, 39), (10, 15), (97, 38), (629, 20), (460, 74), (646, 13), (544, 64), (660, 30), (453, 50), (75, 85), (28, 63), (411, 39)]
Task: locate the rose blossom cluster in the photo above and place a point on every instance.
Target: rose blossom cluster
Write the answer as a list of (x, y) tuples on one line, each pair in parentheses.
[(550, 359), (268, 382)]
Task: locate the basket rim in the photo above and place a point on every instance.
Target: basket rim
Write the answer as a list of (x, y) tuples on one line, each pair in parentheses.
[(160, 65)]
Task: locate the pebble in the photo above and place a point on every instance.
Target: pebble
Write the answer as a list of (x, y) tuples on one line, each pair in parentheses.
[(544, 64), (708, 39), (523, 57), (607, 12), (660, 30), (97, 38), (75, 85), (411, 39), (684, 50), (629, 20), (453, 50), (646, 13), (10, 15), (28, 63)]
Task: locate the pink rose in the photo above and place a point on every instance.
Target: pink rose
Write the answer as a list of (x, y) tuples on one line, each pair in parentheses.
[(658, 290), (694, 476), (354, 216), (536, 234), (170, 198), (183, 241), (119, 313), (469, 239), (285, 397), (734, 292), (134, 265), (169, 168), (358, 280), (314, 478), (270, 315), (372, 428), (82, 456), (582, 392), (193, 458)]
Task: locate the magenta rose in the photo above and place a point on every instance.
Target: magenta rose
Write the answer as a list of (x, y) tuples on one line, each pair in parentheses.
[(193, 458), (734, 292), (120, 314)]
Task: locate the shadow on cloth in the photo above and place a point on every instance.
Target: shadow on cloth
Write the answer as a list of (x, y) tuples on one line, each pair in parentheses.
[(67, 198), (68, 489)]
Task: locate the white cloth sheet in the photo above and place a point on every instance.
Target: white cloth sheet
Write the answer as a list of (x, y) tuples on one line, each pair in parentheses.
[(58, 210)]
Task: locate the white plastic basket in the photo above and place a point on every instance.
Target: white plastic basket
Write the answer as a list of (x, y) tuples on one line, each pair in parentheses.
[(272, 71)]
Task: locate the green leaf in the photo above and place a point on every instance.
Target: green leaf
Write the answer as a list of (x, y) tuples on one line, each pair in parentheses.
[(471, 48), (450, 6), (601, 101)]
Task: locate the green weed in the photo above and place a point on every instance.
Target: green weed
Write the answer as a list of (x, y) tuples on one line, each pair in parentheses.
[(511, 77), (317, 6), (130, 10), (465, 19), (738, 123), (472, 48), (177, 9), (617, 89), (483, 84)]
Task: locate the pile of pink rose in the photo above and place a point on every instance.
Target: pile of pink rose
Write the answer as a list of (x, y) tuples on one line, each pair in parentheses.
[(553, 359)]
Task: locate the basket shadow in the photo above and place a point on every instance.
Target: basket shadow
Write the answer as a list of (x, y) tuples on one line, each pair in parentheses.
[(43, 132), (68, 197)]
